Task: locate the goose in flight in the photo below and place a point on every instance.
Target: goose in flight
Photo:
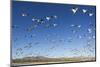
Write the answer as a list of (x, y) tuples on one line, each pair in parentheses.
[(48, 18), (54, 25), (90, 14), (89, 30), (40, 21), (72, 25), (79, 26), (55, 16), (24, 14), (84, 10), (33, 19), (74, 10)]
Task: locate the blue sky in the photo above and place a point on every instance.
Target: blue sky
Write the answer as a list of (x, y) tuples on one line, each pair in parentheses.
[(70, 37)]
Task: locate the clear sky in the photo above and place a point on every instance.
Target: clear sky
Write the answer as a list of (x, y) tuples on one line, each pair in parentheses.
[(67, 30)]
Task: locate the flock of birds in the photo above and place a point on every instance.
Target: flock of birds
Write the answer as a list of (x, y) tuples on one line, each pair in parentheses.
[(39, 21), (74, 10)]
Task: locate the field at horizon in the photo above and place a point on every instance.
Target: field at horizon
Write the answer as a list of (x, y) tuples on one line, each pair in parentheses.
[(45, 60)]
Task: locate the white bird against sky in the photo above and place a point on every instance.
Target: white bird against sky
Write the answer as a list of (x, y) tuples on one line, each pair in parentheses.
[(90, 14), (74, 10), (84, 10)]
